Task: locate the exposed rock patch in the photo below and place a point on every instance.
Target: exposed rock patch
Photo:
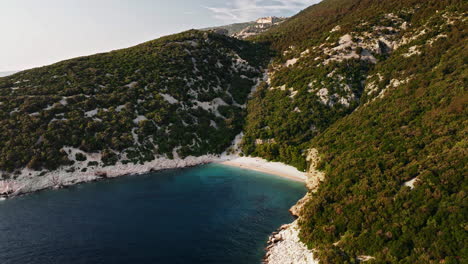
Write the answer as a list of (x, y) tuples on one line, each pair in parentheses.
[(284, 245)]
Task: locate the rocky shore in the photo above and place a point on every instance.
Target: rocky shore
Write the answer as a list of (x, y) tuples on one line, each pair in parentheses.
[(284, 245), (29, 181)]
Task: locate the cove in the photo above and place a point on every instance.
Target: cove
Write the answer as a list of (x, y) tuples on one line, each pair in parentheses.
[(205, 214)]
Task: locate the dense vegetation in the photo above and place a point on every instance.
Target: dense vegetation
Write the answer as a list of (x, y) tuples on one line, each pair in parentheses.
[(314, 83), (311, 26), (377, 86), (406, 120), (419, 132), (179, 95), (329, 78)]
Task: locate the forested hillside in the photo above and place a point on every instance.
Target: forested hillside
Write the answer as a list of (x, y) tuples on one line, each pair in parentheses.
[(325, 57), (176, 96), (380, 89)]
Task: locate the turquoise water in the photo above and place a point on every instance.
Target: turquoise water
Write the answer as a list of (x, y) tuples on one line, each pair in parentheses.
[(206, 214)]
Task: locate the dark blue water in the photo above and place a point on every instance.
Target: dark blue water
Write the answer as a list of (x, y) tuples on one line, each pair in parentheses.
[(207, 214)]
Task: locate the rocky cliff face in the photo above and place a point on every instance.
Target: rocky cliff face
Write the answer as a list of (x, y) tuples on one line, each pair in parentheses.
[(248, 29), (260, 26)]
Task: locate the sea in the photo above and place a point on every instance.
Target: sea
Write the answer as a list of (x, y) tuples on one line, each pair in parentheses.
[(205, 214)]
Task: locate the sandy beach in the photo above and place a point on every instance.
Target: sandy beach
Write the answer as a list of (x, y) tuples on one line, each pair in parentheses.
[(275, 168), (29, 181)]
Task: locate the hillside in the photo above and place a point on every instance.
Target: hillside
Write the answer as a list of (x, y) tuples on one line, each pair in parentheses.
[(232, 29), (317, 79), (379, 89), (173, 97), (248, 29)]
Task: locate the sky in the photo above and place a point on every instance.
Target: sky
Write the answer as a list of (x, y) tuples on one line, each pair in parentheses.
[(41, 32)]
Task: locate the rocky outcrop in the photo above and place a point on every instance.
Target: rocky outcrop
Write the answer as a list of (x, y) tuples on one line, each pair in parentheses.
[(270, 20), (284, 245), (247, 29), (297, 208), (314, 176), (261, 25)]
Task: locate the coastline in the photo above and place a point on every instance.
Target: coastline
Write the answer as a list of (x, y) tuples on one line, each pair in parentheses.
[(283, 245), (29, 181), (262, 165)]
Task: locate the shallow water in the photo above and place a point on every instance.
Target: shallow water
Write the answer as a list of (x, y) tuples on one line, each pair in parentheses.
[(206, 214)]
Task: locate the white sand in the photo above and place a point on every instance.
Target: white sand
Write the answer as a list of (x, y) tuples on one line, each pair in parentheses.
[(275, 168), (30, 181)]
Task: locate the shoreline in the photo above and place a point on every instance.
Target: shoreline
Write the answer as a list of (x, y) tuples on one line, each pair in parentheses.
[(282, 245), (268, 167), (30, 181)]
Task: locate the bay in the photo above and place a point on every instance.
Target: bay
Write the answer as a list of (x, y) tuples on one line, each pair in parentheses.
[(205, 214)]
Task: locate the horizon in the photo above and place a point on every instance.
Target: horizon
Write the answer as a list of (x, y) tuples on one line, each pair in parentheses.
[(48, 32)]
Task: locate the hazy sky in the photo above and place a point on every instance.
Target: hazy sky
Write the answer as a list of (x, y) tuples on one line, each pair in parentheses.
[(41, 32)]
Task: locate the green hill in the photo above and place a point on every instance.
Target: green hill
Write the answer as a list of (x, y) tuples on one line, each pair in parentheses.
[(232, 28), (178, 95), (379, 88)]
